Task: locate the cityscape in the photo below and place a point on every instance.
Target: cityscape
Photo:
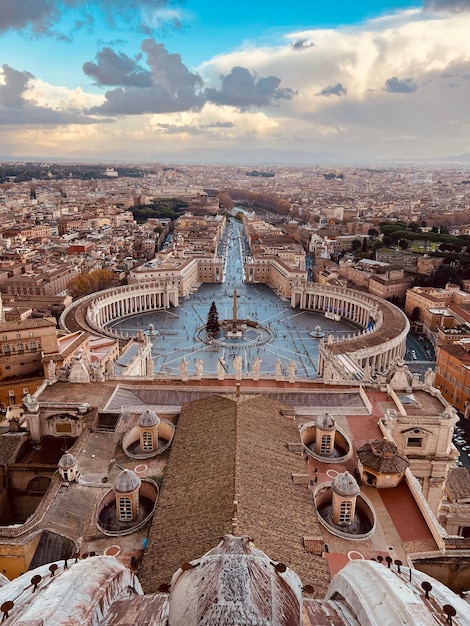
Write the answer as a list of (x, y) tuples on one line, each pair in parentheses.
[(148, 317), (234, 313)]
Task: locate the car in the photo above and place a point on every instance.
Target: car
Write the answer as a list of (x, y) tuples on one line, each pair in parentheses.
[(466, 448), (459, 441)]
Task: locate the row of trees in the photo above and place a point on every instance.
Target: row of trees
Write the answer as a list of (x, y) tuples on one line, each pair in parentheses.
[(266, 201), (89, 282)]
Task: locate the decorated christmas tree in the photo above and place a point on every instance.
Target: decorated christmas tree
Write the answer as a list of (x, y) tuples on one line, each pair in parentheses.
[(213, 326)]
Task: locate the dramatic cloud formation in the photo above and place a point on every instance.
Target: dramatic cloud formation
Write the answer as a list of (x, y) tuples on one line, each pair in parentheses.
[(392, 86), (16, 106), (333, 90), (13, 87), (113, 68), (170, 86), (43, 16), (395, 85), (242, 89)]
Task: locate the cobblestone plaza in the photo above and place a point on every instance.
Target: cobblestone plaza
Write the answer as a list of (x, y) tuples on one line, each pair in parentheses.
[(282, 333)]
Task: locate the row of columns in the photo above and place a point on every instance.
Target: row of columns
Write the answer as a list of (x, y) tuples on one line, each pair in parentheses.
[(383, 360), (354, 311), (124, 303)]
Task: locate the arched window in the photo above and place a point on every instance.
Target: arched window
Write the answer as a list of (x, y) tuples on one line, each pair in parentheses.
[(32, 345), (20, 347), (325, 444), (147, 440), (6, 349), (345, 510), (39, 484), (125, 509)]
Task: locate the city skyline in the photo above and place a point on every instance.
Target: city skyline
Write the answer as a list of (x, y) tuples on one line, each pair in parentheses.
[(195, 82)]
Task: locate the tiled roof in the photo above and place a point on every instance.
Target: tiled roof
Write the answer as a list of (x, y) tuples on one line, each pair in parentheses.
[(223, 452), (458, 484)]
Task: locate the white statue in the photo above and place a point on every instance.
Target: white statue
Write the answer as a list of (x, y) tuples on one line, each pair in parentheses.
[(199, 368), (278, 370), (149, 367), (184, 369), (292, 368), (237, 366), (51, 370), (256, 368), (429, 377), (110, 367)]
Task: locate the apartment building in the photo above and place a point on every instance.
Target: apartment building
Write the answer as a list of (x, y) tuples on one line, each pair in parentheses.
[(453, 373)]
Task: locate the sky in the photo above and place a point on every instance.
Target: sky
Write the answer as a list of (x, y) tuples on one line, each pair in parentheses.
[(251, 81)]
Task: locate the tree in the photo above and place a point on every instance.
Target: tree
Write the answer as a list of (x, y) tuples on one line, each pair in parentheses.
[(213, 325), (373, 233), (356, 244), (89, 282)]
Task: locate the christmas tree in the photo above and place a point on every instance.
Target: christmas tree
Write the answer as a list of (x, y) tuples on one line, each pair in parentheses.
[(213, 326)]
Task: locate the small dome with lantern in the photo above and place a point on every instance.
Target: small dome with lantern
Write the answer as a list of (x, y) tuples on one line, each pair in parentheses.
[(148, 419), (345, 485), (127, 482)]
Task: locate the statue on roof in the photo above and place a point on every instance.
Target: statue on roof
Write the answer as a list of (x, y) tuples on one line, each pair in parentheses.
[(184, 369)]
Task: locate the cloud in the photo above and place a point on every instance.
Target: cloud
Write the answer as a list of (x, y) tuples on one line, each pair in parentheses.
[(446, 5), (242, 89), (171, 86), (302, 44), (168, 85), (14, 85), (113, 68), (333, 90), (18, 106), (43, 16), (395, 85)]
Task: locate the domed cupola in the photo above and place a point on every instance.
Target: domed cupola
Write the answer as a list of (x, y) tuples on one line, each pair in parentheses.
[(345, 491), (325, 435), (68, 467), (126, 489), (148, 427)]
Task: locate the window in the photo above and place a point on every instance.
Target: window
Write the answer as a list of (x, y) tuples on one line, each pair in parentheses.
[(6, 349), (414, 442), (325, 444), (32, 345), (345, 512), (125, 509), (147, 440), (20, 348), (39, 484)]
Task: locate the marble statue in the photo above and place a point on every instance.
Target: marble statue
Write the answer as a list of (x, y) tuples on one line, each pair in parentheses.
[(429, 377), (199, 368), (256, 368), (184, 369), (51, 370), (278, 370), (292, 368)]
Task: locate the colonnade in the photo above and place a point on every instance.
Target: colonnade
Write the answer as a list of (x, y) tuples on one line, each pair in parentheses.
[(112, 304), (352, 309), (381, 342)]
